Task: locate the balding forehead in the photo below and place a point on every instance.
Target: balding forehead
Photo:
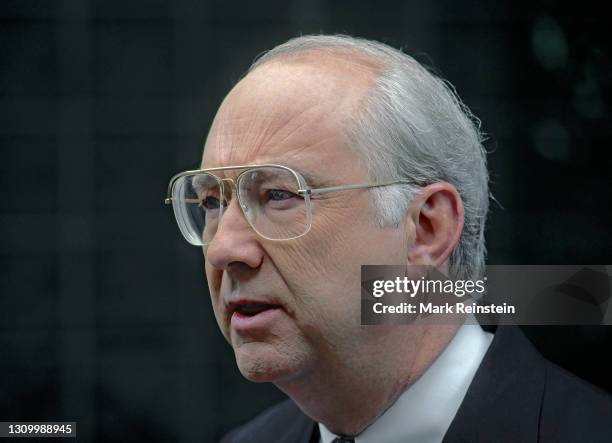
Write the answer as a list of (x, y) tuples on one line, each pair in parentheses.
[(281, 99), (331, 74)]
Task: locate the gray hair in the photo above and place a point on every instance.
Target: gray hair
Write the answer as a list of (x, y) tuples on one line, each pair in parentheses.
[(413, 125)]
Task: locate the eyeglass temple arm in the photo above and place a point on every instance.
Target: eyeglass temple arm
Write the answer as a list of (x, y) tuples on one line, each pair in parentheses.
[(348, 187), (195, 201), (168, 201)]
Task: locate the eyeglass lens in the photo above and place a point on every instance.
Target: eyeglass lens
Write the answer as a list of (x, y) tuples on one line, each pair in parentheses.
[(268, 197)]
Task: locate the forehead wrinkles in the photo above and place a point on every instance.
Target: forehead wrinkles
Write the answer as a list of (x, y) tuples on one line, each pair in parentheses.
[(245, 133), (280, 108)]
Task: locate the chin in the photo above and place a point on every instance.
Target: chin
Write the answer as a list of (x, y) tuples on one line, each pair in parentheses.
[(261, 362)]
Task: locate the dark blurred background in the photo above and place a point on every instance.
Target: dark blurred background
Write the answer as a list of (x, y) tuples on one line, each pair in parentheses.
[(104, 311)]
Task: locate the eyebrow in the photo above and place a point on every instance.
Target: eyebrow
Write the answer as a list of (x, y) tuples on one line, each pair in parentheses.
[(313, 180)]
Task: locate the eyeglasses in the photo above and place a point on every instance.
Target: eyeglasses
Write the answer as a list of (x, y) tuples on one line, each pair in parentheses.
[(274, 199)]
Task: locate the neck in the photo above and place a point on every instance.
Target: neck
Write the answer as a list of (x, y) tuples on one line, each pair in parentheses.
[(348, 393)]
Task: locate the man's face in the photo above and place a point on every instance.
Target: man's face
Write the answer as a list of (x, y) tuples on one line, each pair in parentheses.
[(292, 114)]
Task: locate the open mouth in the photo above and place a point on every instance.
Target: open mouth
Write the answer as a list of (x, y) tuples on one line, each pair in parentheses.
[(250, 309)]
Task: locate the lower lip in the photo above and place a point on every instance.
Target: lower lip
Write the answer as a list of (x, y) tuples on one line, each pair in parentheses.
[(262, 320)]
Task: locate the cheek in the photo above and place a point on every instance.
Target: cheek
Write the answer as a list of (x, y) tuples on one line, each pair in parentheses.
[(331, 236), (315, 263), (323, 272), (338, 239), (331, 256)]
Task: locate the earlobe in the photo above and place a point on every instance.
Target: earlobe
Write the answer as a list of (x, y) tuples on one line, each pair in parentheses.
[(437, 218)]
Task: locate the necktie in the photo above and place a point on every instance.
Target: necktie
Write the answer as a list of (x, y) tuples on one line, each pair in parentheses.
[(343, 440)]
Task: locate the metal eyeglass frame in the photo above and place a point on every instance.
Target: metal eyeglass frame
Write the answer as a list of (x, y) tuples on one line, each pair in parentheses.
[(304, 191)]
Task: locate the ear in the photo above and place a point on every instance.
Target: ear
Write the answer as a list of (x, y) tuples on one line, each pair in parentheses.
[(437, 217)]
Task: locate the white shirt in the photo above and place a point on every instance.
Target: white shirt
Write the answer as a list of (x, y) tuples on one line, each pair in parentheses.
[(426, 409)]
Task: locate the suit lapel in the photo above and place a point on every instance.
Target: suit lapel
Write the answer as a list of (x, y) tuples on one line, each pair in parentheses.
[(504, 399)]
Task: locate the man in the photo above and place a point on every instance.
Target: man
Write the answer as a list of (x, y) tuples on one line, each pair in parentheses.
[(332, 153)]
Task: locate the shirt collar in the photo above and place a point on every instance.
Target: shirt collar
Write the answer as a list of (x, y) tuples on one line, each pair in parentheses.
[(424, 411)]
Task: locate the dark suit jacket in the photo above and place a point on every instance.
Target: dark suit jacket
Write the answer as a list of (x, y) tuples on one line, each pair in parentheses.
[(516, 396)]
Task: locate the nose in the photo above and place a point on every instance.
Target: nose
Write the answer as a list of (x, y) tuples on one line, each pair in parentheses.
[(235, 244)]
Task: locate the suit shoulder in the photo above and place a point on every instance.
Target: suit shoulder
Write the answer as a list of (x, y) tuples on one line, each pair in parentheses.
[(575, 410), (563, 384), (268, 425)]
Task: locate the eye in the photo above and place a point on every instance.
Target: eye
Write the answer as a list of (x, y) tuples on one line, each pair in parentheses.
[(280, 195), (279, 199), (210, 203)]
